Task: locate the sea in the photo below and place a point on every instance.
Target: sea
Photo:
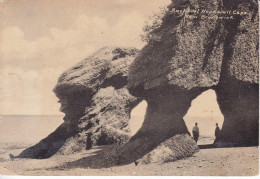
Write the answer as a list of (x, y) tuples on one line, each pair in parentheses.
[(30, 129), (27, 128)]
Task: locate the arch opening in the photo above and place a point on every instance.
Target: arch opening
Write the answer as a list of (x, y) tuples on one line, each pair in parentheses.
[(206, 112), (137, 116)]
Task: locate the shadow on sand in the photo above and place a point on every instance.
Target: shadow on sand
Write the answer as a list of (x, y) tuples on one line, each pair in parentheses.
[(105, 157)]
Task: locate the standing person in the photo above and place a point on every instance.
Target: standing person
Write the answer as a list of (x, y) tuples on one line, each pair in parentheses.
[(217, 131), (195, 132)]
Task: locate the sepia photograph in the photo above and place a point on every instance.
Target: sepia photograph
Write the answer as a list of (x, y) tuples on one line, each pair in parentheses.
[(129, 88)]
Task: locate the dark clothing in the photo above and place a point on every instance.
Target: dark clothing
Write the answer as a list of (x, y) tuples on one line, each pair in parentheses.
[(195, 136), (217, 131), (196, 133), (89, 142)]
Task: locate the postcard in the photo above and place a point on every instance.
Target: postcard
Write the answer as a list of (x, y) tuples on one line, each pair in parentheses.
[(129, 88)]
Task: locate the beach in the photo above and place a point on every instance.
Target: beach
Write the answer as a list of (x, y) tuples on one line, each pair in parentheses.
[(242, 161)]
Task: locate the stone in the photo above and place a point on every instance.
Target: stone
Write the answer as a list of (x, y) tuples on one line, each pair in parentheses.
[(175, 148)]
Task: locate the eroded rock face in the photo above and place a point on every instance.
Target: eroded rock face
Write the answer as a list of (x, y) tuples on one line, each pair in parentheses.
[(77, 86), (238, 101), (188, 53), (104, 122), (96, 103), (188, 56), (238, 88), (175, 148)]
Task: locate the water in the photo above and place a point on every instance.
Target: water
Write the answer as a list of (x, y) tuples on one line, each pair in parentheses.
[(31, 129), (27, 129)]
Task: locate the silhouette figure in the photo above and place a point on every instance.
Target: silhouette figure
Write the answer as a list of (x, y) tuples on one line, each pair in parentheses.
[(217, 131), (195, 132)]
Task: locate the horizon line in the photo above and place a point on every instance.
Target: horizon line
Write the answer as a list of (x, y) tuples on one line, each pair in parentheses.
[(31, 114)]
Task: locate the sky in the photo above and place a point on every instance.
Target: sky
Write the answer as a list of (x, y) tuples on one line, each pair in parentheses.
[(40, 39)]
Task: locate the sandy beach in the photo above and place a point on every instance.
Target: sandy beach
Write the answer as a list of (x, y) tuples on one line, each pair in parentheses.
[(242, 161)]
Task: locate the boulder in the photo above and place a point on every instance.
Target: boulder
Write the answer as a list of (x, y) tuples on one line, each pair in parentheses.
[(175, 148)]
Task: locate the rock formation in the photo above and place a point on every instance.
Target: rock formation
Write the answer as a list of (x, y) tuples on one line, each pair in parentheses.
[(97, 107), (96, 104), (175, 148), (188, 56)]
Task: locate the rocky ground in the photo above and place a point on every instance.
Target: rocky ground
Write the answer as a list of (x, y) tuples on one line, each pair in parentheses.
[(207, 162)]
